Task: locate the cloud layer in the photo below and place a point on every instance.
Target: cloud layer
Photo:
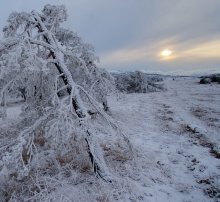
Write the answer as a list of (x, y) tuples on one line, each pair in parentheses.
[(130, 34)]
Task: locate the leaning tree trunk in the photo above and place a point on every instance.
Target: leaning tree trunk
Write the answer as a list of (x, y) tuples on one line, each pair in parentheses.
[(97, 160)]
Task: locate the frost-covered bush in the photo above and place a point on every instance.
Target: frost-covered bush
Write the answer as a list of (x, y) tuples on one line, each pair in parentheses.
[(57, 135), (215, 78), (138, 82), (210, 78), (205, 81)]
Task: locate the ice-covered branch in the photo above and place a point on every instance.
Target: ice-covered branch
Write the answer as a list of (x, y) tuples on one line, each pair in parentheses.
[(41, 43), (4, 89), (10, 42), (51, 61)]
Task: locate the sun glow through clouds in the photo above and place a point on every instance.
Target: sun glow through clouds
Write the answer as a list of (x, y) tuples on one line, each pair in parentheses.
[(166, 53)]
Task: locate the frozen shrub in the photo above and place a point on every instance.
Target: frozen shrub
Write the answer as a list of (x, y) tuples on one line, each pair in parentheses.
[(215, 78), (205, 81), (138, 82), (210, 78)]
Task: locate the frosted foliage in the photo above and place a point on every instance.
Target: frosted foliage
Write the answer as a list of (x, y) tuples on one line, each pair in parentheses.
[(16, 21), (54, 15), (63, 95), (99, 83), (38, 92)]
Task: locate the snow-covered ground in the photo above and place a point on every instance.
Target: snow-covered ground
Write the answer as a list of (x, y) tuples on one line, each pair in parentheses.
[(174, 132), (176, 140)]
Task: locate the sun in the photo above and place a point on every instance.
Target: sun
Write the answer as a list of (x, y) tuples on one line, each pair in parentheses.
[(166, 53)]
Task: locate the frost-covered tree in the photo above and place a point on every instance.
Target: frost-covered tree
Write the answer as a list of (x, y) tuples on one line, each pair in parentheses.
[(40, 59)]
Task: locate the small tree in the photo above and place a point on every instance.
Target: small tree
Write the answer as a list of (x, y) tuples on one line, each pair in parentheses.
[(44, 59)]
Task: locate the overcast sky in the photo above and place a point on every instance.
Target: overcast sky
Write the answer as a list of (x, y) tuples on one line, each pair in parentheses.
[(130, 34)]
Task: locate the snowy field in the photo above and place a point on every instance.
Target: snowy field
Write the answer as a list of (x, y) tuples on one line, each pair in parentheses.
[(176, 139), (175, 133)]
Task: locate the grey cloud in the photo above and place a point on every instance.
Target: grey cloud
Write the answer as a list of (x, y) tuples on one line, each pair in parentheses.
[(144, 25)]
